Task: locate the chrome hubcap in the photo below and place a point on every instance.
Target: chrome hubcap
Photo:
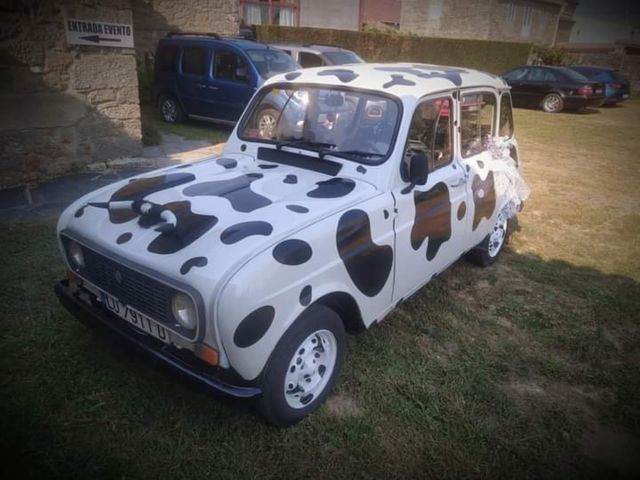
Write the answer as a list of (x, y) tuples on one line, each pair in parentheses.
[(552, 102), (310, 368), (499, 233), (267, 125), (169, 111)]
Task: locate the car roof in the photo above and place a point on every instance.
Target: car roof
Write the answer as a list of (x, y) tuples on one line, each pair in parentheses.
[(396, 78), (241, 43), (310, 47), (595, 67)]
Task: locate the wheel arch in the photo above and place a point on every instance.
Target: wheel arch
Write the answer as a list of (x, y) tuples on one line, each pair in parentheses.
[(347, 309)]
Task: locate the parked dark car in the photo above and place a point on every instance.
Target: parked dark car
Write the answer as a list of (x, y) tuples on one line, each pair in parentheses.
[(616, 87), (553, 89), (308, 55), (208, 77)]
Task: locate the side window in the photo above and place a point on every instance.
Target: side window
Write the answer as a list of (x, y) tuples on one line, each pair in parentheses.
[(477, 113), (308, 60), (166, 58), (230, 66), (517, 74), (430, 134), (506, 116), (194, 60)]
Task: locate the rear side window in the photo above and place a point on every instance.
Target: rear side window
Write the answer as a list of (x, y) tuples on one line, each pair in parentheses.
[(230, 66), (477, 112), (194, 60), (166, 58), (308, 60), (506, 116)]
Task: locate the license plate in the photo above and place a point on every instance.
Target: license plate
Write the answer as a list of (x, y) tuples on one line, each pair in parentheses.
[(135, 318)]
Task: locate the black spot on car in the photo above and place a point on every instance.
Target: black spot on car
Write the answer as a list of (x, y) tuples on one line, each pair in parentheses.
[(480, 163), (398, 80), (189, 227), (292, 75), (462, 209), (292, 252), (305, 296), (227, 163), (267, 166), (124, 238), (368, 264), (236, 190), (448, 73), (291, 179), (79, 212), (240, 231), (139, 188), (297, 208), (332, 188), (484, 198), (342, 74), (361, 169), (386, 214), (432, 219), (192, 262), (253, 327)]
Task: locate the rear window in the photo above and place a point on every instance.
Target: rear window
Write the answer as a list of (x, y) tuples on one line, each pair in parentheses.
[(194, 60), (166, 58), (343, 57), (308, 60)]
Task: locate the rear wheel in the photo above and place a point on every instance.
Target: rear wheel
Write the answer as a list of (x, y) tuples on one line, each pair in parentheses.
[(487, 252), (170, 109), (303, 367), (552, 103)]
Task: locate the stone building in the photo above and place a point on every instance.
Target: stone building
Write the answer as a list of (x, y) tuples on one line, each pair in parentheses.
[(62, 105), (535, 21)]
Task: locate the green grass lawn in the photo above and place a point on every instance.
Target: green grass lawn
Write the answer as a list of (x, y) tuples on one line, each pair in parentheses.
[(527, 369)]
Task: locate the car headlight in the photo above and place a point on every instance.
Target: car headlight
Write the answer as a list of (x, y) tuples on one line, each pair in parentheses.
[(184, 311), (76, 256)]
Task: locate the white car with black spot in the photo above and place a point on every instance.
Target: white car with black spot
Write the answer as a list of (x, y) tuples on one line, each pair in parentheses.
[(246, 271)]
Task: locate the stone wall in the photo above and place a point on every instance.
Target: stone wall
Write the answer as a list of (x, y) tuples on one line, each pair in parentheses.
[(502, 20), (63, 107), (153, 19)]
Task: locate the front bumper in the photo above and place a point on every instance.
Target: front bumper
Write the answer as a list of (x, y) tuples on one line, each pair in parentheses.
[(96, 317)]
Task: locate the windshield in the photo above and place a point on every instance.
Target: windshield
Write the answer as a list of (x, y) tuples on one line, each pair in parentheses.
[(330, 121), (343, 57), (272, 62)]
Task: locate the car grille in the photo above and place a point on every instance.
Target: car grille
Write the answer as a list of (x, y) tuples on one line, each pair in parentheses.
[(130, 287)]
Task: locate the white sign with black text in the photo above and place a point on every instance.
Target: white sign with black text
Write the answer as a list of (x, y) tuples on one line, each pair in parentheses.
[(98, 34)]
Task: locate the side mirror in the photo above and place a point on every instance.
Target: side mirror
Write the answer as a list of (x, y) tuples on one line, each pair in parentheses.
[(418, 172)]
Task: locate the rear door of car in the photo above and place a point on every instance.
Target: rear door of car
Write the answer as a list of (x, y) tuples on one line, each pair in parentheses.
[(430, 224), (193, 77)]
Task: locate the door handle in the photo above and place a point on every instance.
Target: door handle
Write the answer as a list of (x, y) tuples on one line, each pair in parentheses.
[(458, 183)]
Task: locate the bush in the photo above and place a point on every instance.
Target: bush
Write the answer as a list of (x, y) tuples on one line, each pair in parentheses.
[(544, 55), (373, 46)]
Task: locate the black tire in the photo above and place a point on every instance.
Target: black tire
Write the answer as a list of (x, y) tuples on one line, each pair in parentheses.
[(170, 109), (552, 103), (267, 120), (482, 255), (273, 405)]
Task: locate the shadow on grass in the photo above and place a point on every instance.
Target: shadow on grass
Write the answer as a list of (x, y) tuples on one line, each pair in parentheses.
[(497, 372)]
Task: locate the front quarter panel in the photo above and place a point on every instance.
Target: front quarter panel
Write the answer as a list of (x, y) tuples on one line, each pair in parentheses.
[(350, 252)]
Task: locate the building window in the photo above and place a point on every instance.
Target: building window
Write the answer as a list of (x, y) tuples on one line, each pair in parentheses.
[(270, 12)]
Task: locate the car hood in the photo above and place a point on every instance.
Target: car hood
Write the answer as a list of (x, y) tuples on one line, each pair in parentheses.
[(203, 219)]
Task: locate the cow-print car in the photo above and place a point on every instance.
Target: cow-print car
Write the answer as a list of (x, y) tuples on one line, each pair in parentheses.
[(245, 271)]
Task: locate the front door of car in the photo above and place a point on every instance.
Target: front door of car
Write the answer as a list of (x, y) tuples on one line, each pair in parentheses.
[(477, 129), (231, 85), (430, 231)]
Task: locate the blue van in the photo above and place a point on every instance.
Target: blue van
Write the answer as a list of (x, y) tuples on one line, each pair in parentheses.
[(208, 77)]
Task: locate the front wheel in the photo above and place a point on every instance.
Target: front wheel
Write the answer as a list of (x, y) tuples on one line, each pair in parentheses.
[(304, 367), (487, 252), (552, 103)]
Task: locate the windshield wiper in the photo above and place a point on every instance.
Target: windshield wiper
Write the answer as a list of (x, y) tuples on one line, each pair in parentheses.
[(308, 144), (356, 153)]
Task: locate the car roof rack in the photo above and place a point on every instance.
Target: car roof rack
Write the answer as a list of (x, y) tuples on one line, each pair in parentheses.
[(196, 34)]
